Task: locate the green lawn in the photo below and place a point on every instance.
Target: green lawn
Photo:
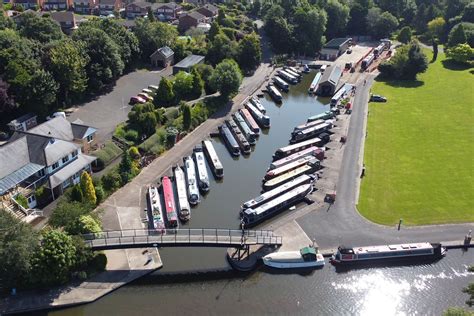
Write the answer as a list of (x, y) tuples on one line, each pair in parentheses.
[(419, 152)]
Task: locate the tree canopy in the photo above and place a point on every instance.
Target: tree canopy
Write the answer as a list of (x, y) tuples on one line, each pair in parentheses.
[(226, 78)]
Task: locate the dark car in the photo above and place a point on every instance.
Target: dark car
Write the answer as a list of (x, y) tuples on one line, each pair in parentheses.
[(377, 98)]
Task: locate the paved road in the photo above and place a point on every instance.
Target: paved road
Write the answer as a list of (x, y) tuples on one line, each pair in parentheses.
[(110, 109), (342, 223)]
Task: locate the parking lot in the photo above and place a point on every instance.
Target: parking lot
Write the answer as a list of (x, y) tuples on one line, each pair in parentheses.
[(358, 51), (110, 109)]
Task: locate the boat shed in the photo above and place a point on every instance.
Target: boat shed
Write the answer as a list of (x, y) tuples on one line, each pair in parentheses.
[(334, 48), (163, 57), (187, 63), (329, 81)]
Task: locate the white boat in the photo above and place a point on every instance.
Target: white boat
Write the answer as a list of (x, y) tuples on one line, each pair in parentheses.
[(184, 210), (307, 257), (256, 102), (203, 176), (193, 191), (311, 151), (156, 212)]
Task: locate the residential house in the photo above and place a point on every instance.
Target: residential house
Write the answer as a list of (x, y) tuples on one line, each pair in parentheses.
[(66, 20), (55, 5), (23, 123), (191, 19), (167, 11), (27, 4), (210, 11), (187, 63), (138, 9), (83, 6), (107, 7), (163, 57)]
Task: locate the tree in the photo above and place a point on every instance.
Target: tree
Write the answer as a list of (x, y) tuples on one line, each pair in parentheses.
[(186, 116), (405, 35), (468, 14), (183, 86), (111, 181), (84, 224), (456, 311), (256, 7), (143, 119), (134, 153), (226, 78), (249, 54), (87, 188), (417, 62), (436, 27), (6, 22), (165, 95), (105, 63), (214, 30), (42, 29), (66, 61), (380, 24), (434, 43), (198, 84), (153, 35), (125, 168), (220, 48), (406, 63), (278, 30), (18, 241), (150, 15), (66, 212), (205, 71), (309, 29), (220, 17), (40, 92), (462, 53), (6, 101), (357, 19), (54, 260), (337, 18), (457, 35), (76, 193)]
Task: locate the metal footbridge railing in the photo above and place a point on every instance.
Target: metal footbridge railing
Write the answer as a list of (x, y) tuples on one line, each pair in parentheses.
[(201, 237)]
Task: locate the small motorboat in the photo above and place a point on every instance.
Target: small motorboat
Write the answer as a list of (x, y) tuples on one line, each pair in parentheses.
[(307, 257)]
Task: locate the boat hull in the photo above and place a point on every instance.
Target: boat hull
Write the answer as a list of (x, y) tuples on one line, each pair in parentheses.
[(294, 265), (388, 261)]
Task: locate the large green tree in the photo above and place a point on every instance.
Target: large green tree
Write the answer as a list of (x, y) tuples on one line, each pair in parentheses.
[(153, 35), (87, 188), (67, 61), (309, 29), (186, 109), (18, 241), (198, 83), (85, 224), (249, 54), (357, 18), (54, 261), (105, 63), (42, 29), (380, 24), (227, 78), (457, 35), (183, 86), (278, 30), (220, 48), (165, 95), (405, 35), (66, 212), (462, 53), (337, 18)]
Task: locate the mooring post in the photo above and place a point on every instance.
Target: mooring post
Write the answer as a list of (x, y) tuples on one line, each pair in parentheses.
[(400, 223)]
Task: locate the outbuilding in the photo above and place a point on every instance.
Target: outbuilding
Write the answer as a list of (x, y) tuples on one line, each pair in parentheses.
[(334, 48), (163, 57), (187, 63), (329, 81)]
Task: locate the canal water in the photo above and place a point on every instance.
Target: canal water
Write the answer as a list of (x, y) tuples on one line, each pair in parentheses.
[(426, 289)]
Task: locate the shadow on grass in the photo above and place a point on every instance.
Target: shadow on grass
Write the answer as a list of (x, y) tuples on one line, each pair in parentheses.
[(453, 65), (401, 83)]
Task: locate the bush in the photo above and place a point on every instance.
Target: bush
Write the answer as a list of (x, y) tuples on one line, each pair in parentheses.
[(76, 193), (99, 262), (21, 199), (133, 152), (99, 193), (131, 135), (43, 195), (156, 143), (66, 212), (111, 181), (120, 131)]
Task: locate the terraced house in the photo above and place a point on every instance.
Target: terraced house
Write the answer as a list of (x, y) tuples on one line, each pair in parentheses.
[(50, 156)]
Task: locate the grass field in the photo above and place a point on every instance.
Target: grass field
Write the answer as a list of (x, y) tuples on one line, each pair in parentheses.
[(419, 151)]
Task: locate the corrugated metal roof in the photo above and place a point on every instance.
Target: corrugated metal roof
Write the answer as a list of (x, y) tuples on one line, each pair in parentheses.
[(69, 170), (189, 61), (13, 156), (18, 176), (331, 75)]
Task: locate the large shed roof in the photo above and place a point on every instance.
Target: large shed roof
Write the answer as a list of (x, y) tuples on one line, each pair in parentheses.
[(189, 61)]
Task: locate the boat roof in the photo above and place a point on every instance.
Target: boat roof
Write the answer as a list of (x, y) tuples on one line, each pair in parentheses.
[(311, 129), (307, 250), (287, 175), (291, 165), (392, 248), (212, 153), (301, 144), (282, 198), (297, 155)]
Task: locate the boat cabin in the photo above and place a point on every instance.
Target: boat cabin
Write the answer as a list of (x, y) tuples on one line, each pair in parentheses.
[(308, 253)]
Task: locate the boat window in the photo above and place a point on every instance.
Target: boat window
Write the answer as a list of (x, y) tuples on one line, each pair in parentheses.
[(413, 246), (392, 247), (405, 247)]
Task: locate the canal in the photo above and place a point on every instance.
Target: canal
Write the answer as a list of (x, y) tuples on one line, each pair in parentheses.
[(399, 290)]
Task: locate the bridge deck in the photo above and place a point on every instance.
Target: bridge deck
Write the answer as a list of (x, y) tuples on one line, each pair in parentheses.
[(181, 238)]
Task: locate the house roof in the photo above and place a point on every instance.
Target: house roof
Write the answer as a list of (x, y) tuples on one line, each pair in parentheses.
[(332, 75), (22, 118), (172, 5), (63, 16), (57, 149), (57, 127), (189, 61), (210, 7), (195, 15), (70, 169), (143, 4), (164, 51), (81, 131), (13, 156), (335, 43), (107, 2)]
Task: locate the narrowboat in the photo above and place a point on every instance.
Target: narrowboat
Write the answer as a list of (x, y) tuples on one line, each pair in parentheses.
[(288, 167), (326, 115), (229, 140), (193, 190), (262, 119), (202, 175), (317, 152), (184, 210), (309, 132), (239, 137), (212, 159), (341, 93), (170, 205), (256, 102), (315, 83), (294, 148), (294, 74), (287, 77), (306, 257), (253, 216), (294, 69), (267, 196), (308, 125), (248, 133), (309, 168), (156, 213), (274, 93), (280, 83), (250, 121), (347, 256)]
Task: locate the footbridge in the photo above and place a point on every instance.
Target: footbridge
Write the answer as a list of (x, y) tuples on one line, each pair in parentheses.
[(201, 237)]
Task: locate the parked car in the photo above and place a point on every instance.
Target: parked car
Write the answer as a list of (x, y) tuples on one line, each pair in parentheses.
[(136, 99), (147, 91), (377, 98), (145, 96)]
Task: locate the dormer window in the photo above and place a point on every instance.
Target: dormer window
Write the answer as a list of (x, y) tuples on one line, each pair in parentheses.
[(65, 159), (74, 154), (55, 165), (90, 138)]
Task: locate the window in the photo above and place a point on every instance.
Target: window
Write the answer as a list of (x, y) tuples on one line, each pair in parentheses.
[(65, 159), (90, 138), (66, 183), (55, 165), (41, 173), (74, 154), (31, 199)]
